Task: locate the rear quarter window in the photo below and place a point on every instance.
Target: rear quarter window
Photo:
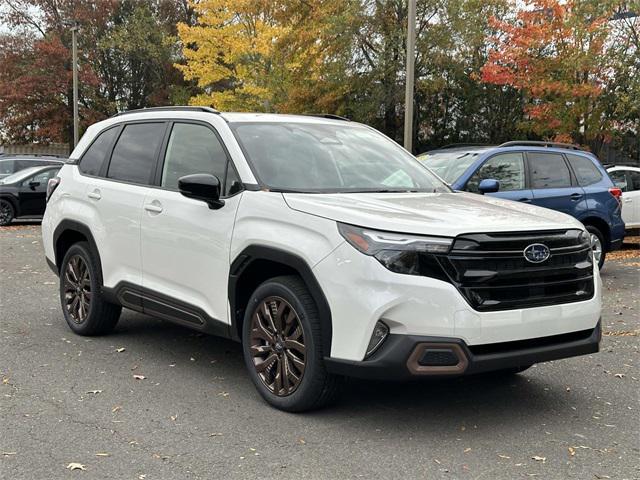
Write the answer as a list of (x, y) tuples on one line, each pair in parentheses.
[(93, 158), (586, 172)]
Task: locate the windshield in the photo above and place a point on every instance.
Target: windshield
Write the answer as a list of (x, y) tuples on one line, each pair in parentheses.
[(450, 165), (311, 157), (21, 175)]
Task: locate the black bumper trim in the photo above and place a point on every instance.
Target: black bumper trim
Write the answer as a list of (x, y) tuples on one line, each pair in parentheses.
[(390, 362)]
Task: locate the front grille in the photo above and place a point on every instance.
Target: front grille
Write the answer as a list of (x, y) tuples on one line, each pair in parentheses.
[(491, 272)]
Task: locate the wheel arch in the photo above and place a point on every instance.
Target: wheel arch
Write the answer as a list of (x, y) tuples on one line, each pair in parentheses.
[(14, 203), (69, 232), (601, 225), (256, 264)]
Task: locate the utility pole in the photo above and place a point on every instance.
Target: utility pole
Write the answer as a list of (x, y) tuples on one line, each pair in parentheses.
[(76, 119), (410, 76)]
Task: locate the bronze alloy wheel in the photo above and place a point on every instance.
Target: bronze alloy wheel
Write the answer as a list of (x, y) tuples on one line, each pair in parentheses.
[(77, 289), (277, 346)]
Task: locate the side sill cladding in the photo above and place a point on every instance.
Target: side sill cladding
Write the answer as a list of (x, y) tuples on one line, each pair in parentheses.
[(144, 300), (295, 263)]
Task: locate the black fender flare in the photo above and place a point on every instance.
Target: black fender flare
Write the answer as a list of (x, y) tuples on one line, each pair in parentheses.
[(74, 226), (260, 252)]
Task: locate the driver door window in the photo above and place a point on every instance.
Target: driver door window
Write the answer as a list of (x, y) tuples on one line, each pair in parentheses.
[(507, 168), (194, 149)]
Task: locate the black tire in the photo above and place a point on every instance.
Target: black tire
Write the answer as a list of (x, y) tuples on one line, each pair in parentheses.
[(595, 231), (316, 387), (7, 212), (99, 316)]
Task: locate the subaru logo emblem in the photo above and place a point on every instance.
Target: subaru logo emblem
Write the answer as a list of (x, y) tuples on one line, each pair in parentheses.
[(536, 253)]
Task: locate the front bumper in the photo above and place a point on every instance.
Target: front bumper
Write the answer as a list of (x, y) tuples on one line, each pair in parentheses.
[(403, 357)]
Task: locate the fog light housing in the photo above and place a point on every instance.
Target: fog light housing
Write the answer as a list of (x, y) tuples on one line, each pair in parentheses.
[(380, 333)]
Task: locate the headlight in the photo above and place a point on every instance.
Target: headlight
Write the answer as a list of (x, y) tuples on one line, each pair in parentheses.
[(399, 252), (371, 242)]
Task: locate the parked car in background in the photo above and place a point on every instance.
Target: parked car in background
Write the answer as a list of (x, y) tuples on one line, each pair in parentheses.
[(627, 179), (552, 175), (24, 193), (10, 164), (320, 244)]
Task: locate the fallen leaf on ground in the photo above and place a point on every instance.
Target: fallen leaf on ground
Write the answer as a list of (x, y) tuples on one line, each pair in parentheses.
[(115, 409), (619, 375), (76, 466), (6, 454), (539, 459), (139, 377), (572, 451), (120, 350), (217, 434), (94, 392), (504, 456), (103, 454)]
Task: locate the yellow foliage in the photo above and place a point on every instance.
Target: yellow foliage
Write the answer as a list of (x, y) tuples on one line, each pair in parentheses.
[(261, 55)]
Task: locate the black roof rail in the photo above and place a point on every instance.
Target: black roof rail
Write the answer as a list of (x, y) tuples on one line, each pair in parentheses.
[(179, 108), (461, 145), (535, 143), (327, 115)]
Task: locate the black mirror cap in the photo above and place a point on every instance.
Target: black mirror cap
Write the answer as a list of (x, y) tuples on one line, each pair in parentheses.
[(202, 186), (489, 185)]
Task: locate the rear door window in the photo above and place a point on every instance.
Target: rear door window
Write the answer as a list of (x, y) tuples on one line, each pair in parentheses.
[(584, 169), (134, 156), (548, 170), (93, 158), (507, 168)]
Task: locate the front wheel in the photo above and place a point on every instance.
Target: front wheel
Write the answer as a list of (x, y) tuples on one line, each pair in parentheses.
[(282, 346), (597, 245)]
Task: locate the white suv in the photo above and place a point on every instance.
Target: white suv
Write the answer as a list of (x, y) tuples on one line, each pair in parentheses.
[(320, 244)]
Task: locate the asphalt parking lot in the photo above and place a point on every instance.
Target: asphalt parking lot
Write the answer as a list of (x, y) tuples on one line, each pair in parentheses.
[(191, 412)]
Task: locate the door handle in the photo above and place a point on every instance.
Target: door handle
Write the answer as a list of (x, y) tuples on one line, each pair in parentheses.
[(524, 200), (576, 196), (153, 207), (95, 195)]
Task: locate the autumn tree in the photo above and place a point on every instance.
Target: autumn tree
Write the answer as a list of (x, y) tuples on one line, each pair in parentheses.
[(555, 53), (263, 55), (126, 53)]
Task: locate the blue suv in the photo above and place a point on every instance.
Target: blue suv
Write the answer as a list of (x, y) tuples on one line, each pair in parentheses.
[(553, 175)]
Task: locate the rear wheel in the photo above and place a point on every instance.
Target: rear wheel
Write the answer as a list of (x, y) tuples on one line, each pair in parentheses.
[(83, 305), (6, 212), (597, 245), (282, 346)]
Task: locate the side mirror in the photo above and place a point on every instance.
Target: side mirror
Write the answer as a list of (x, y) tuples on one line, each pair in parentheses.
[(33, 185), (489, 185), (202, 186)]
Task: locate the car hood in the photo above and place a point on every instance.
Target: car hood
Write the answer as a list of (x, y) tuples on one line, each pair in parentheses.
[(444, 214)]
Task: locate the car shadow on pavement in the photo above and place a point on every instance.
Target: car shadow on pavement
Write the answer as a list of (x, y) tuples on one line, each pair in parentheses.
[(469, 402)]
